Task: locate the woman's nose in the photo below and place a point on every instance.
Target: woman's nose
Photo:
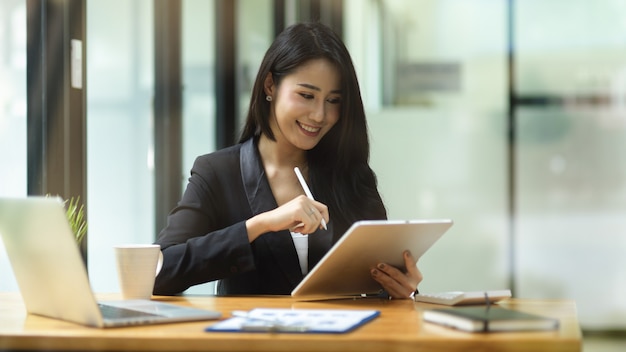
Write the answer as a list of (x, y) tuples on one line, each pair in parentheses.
[(319, 112)]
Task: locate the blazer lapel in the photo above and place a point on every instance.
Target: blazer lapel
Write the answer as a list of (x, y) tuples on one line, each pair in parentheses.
[(261, 199)]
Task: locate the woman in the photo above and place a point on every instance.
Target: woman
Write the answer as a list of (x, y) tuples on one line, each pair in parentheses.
[(244, 219)]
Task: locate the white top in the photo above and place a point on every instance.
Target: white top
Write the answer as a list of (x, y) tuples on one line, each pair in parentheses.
[(302, 248)]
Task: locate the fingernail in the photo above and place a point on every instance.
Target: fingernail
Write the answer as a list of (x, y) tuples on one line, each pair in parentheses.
[(374, 272), (381, 266)]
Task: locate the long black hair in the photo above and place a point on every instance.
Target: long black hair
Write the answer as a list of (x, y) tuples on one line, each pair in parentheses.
[(339, 170)]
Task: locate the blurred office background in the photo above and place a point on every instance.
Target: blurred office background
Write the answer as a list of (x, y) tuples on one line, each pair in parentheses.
[(507, 116)]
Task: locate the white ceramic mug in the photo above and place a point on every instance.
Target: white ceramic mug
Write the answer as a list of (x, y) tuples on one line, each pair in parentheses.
[(137, 266)]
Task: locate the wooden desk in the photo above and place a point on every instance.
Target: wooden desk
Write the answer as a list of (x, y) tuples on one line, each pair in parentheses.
[(399, 328)]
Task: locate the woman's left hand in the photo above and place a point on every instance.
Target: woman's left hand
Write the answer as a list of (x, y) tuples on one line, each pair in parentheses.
[(397, 283)]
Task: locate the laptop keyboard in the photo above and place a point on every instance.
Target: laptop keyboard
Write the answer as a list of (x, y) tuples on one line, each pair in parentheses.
[(110, 312)]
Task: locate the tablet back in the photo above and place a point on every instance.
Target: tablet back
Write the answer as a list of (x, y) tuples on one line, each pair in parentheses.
[(345, 269)]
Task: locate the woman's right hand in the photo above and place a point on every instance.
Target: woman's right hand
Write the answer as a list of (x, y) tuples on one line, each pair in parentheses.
[(301, 214)]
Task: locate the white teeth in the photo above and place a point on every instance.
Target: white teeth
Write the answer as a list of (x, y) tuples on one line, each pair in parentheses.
[(309, 128)]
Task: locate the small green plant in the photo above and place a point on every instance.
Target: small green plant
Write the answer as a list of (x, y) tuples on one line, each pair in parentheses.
[(75, 213)]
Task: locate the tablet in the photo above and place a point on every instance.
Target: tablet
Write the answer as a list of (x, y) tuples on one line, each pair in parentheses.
[(345, 269)]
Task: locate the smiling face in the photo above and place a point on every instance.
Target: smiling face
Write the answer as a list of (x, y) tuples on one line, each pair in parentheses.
[(305, 105)]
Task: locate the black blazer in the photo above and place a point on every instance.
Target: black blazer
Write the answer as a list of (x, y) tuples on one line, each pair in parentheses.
[(206, 238)]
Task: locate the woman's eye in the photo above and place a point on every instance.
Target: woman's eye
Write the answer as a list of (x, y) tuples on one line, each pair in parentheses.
[(335, 100)]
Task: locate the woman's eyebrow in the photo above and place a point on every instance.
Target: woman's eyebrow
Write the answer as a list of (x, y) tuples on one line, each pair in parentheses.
[(310, 86)]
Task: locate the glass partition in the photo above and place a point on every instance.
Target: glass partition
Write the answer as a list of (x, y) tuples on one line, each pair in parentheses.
[(198, 67), (435, 80), (120, 167), (13, 141), (571, 189), (434, 83), (255, 34), (198, 61)]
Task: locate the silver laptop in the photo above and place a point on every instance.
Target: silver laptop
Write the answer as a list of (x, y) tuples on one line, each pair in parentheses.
[(345, 269), (51, 274)]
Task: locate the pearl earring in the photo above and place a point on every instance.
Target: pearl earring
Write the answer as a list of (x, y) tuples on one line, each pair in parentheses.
[(268, 98)]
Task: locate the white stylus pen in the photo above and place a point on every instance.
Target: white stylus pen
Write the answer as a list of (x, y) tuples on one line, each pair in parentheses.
[(307, 191)]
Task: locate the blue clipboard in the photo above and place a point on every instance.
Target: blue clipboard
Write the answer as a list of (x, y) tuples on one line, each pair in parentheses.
[(320, 321)]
